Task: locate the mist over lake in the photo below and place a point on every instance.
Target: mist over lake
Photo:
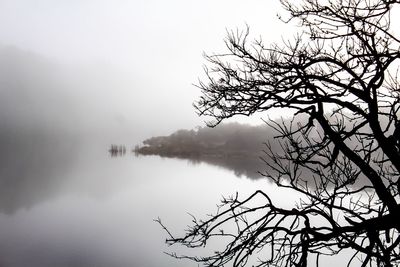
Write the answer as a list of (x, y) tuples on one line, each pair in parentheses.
[(79, 76), (65, 201), (69, 203), (199, 133)]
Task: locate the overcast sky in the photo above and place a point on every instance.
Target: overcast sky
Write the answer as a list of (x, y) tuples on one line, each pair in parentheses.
[(137, 60)]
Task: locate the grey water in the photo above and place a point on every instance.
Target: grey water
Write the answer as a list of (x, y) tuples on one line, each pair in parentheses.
[(70, 203), (64, 201)]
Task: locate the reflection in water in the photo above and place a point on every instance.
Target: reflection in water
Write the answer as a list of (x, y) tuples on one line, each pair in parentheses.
[(56, 217), (234, 146), (32, 167), (117, 150), (248, 166), (242, 164)]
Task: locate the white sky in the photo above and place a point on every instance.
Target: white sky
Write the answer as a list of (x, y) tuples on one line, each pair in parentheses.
[(152, 48)]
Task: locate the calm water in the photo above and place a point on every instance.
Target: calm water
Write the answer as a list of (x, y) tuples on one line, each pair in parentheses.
[(81, 207)]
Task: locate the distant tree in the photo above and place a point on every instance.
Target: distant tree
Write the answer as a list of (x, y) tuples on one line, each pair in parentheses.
[(340, 76)]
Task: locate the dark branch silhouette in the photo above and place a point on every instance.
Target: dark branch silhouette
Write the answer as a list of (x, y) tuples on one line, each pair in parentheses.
[(341, 74)]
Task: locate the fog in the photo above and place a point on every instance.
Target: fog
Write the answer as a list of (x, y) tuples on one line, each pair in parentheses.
[(118, 66), (77, 76), (84, 74), (233, 146), (38, 94)]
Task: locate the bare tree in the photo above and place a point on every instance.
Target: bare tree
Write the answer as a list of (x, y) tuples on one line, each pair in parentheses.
[(340, 151)]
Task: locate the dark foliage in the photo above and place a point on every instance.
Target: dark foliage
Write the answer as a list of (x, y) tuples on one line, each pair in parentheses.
[(234, 146)]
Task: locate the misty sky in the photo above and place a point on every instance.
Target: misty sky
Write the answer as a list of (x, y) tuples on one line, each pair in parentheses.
[(128, 64), (113, 69), (120, 71)]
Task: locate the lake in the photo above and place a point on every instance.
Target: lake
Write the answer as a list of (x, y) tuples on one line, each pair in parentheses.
[(75, 205)]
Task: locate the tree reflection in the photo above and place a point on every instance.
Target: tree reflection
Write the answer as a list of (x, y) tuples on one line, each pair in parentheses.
[(233, 146)]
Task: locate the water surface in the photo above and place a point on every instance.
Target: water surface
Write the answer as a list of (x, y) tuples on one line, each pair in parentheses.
[(72, 204)]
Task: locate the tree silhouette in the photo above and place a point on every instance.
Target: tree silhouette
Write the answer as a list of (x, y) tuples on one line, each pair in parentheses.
[(340, 151)]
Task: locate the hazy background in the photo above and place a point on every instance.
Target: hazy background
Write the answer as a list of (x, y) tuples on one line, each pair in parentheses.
[(120, 67), (79, 75)]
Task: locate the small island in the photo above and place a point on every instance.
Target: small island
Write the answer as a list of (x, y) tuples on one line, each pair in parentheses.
[(238, 147)]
